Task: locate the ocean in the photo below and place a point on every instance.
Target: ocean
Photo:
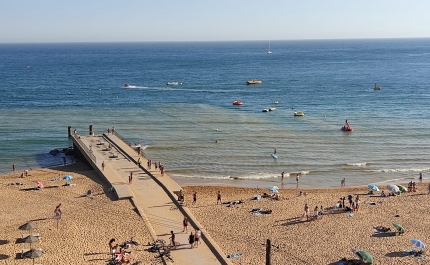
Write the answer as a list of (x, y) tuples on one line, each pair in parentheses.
[(196, 131)]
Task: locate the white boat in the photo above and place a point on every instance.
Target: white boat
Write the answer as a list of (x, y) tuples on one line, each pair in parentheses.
[(272, 109), (173, 83), (377, 87), (299, 113), (265, 110), (269, 51)]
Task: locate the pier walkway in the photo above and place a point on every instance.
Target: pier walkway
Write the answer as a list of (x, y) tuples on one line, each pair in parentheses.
[(152, 195)]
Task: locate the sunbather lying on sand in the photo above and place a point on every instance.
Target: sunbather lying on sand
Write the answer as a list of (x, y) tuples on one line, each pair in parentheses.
[(381, 228)]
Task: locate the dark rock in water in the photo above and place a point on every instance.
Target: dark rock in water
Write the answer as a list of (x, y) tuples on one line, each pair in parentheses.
[(54, 152), (69, 150)]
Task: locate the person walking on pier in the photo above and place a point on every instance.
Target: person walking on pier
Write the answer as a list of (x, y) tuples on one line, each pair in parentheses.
[(185, 223), (103, 165), (138, 162), (130, 178)]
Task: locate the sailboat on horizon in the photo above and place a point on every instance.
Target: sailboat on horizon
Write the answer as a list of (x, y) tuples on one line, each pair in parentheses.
[(269, 51)]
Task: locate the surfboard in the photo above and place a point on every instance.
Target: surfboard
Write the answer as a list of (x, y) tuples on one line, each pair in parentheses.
[(274, 156)]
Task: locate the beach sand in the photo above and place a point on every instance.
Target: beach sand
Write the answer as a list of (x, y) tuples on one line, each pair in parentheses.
[(88, 222), (323, 241), (86, 226)]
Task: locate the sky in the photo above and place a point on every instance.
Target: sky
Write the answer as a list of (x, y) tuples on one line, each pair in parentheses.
[(30, 21)]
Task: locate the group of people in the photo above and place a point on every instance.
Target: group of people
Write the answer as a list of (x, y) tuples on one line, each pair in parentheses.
[(118, 251), (317, 214), (158, 166), (412, 187)]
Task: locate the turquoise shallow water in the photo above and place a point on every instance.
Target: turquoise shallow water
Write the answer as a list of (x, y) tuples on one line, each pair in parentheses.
[(47, 87)]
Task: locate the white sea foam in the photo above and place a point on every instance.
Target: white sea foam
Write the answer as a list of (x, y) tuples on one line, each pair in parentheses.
[(363, 164), (390, 170)]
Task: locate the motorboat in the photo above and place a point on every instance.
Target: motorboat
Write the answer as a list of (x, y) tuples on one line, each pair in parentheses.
[(254, 82), (126, 85), (276, 102), (346, 128), (272, 109), (265, 110), (237, 103), (377, 87), (299, 113), (174, 83)]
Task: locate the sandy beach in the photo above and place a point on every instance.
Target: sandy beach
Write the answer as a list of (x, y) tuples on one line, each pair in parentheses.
[(86, 226), (88, 222), (324, 241)]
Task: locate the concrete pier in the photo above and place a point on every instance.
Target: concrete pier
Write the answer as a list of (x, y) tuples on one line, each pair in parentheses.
[(150, 192)]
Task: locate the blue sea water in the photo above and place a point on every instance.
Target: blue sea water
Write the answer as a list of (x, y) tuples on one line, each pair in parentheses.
[(195, 130)]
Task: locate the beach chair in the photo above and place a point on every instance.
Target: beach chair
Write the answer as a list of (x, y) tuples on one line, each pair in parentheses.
[(27, 250), (27, 235)]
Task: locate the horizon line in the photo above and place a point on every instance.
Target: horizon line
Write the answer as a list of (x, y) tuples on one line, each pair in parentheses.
[(213, 41)]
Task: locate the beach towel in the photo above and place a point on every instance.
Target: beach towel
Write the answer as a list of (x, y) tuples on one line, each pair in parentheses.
[(256, 213), (234, 256)]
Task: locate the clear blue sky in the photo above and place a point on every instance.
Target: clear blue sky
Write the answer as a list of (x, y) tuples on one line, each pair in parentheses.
[(216, 20)]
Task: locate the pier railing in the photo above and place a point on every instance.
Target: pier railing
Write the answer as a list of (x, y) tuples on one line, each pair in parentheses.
[(85, 148)]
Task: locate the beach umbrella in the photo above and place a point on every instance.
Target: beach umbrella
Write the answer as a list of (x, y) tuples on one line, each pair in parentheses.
[(40, 184), (399, 228), (33, 253), (418, 243), (373, 187), (365, 256), (393, 188), (31, 239), (67, 177), (28, 226), (401, 188), (273, 190)]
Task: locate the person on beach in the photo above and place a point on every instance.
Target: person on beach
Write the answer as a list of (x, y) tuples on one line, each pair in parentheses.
[(274, 151), (112, 247), (428, 188), (172, 238), (297, 178), (185, 223), (350, 200), (191, 239), (197, 236), (306, 212), (58, 210), (103, 165), (357, 203), (343, 202), (342, 182), (14, 167), (421, 178), (218, 198), (282, 176), (194, 198)]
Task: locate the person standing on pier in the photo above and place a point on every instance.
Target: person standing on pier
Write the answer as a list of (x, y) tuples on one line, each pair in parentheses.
[(108, 131), (103, 165), (130, 178), (138, 161), (113, 130)]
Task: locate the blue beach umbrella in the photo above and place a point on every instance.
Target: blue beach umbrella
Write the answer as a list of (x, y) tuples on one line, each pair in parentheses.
[(273, 190), (67, 177), (373, 187), (418, 243)]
